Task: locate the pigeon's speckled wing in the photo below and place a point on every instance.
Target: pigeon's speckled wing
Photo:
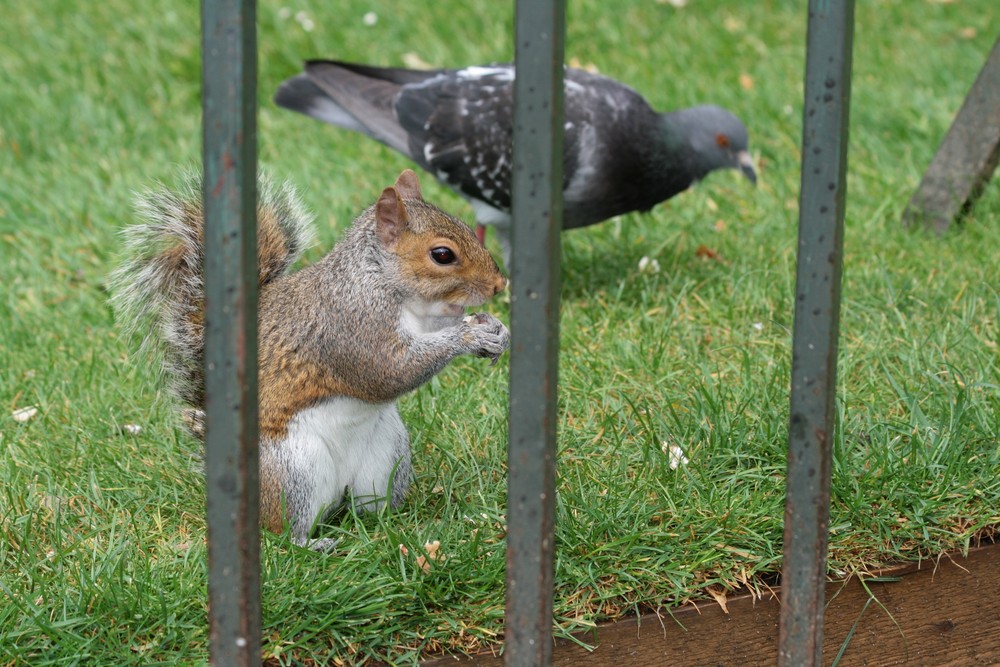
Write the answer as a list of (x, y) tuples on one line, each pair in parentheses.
[(460, 128), (459, 124)]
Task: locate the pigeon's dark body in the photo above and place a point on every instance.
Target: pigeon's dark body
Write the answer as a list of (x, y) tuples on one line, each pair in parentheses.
[(619, 154)]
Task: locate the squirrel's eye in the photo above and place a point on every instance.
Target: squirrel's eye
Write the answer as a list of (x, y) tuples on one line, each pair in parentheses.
[(443, 255)]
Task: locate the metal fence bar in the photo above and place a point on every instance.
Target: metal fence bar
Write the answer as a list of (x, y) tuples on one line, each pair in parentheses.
[(967, 158), (537, 223), (229, 99), (817, 320)]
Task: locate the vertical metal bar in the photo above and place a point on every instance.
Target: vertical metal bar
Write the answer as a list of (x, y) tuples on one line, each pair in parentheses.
[(537, 223), (817, 320), (229, 98), (968, 155)]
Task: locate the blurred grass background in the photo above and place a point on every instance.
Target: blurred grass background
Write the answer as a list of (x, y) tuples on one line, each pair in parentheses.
[(102, 530)]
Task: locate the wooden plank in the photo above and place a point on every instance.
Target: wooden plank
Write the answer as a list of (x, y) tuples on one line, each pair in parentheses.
[(537, 223), (940, 613), (229, 99), (825, 122), (966, 158)]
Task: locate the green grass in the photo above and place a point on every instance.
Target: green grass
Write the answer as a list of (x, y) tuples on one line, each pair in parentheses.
[(102, 552)]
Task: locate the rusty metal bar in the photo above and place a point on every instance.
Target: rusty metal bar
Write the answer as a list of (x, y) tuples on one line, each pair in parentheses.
[(537, 222), (967, 157), (817, 319), (229, 101)]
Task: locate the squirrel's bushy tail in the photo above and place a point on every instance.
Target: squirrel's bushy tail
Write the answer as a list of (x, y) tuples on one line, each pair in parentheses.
[(159, 288)]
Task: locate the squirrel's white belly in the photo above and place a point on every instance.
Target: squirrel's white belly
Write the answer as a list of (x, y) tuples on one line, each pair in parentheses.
[(348, 444)]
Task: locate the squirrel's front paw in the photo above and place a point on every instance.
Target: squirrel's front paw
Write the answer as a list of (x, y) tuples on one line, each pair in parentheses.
[(490, 338)]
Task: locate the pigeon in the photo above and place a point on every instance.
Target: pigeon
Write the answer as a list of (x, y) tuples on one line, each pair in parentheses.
[(619, 154)]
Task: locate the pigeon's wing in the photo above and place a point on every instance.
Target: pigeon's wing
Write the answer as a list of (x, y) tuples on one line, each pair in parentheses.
[(601, 147), (459, 127)]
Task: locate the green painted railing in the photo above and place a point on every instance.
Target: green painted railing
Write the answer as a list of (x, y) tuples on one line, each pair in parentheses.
[(537, 219), (229, 80), (229, 72), (814, 339)]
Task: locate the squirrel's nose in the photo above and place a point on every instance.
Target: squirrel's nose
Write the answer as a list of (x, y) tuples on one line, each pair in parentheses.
[(499, 285)]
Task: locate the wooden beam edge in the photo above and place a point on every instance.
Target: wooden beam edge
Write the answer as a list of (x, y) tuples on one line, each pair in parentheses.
[(933, 612)]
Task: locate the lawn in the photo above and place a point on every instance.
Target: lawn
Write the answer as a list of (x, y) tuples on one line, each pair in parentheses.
[(102, 528)]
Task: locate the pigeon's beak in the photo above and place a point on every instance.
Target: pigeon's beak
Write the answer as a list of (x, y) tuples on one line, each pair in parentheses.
[(745, 163)]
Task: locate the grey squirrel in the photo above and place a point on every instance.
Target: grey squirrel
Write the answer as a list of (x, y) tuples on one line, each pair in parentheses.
[(338, 341)]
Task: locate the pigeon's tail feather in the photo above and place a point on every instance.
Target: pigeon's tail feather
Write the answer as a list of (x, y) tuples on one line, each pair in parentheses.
[(397, 75), (302, 95), (366, 100)]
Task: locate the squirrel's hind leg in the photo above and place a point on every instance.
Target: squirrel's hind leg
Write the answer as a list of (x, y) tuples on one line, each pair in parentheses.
[(291, 496), (385, 469), (324, 544)]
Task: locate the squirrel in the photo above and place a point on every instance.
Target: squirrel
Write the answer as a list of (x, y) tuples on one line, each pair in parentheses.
[(339, 341)]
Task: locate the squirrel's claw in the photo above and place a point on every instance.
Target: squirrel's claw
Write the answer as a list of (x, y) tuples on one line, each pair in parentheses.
[(321, 544)]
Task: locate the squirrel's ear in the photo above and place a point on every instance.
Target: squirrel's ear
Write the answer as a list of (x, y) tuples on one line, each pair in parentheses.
[(408, 185), (390, 216)]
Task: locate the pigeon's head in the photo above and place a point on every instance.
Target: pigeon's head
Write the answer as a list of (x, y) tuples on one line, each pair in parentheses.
[(716, 140)]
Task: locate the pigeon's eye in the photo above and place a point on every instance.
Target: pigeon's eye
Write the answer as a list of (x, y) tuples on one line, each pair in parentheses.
[(443, 255), (722, 141)]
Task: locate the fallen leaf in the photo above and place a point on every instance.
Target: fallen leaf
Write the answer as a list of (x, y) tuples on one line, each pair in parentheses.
[(432, 549), (303, 20), (22, 415), (719, 596), (423, 564), (647, 265), (675, 456), (733, 24), (414, 61), (705, 252), (576, 63), (746, 81)]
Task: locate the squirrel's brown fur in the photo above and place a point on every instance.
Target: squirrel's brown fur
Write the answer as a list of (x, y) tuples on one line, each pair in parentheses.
[(339, 341)]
